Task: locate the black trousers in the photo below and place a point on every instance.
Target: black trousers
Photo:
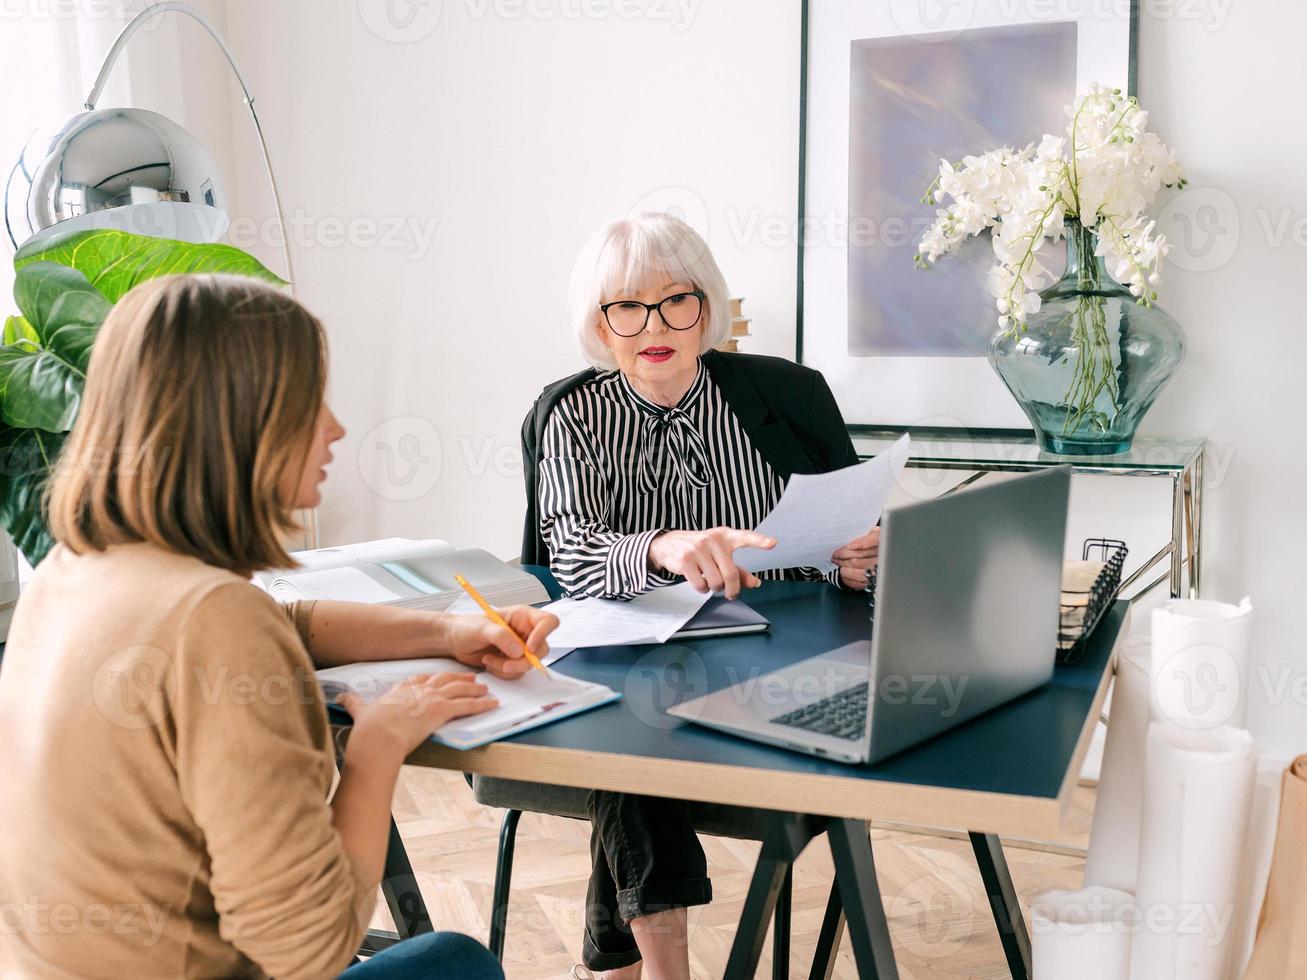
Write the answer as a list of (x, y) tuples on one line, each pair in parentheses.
[(645, 859)]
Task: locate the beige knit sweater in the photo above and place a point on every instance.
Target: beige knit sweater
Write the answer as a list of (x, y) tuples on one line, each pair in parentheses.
[(164, 766)]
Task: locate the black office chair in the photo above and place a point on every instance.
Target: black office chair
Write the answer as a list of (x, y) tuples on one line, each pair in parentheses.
[(517, 796)]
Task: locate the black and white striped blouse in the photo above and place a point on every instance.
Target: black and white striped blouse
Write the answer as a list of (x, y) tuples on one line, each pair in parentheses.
[(616, 469)]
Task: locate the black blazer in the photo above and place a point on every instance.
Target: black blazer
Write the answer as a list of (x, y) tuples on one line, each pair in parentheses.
[(786, 409)]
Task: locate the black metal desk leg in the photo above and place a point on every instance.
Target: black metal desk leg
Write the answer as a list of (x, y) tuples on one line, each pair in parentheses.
[(400, 888), (780, 931), (828, 941), (855, 873), (1004, 903), (788, 835), (768, 876)]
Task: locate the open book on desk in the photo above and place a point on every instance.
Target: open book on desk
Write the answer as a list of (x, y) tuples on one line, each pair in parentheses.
[(525, 703), (401, 572)]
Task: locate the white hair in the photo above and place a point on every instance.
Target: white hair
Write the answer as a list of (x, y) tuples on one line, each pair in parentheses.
[(632, 254)]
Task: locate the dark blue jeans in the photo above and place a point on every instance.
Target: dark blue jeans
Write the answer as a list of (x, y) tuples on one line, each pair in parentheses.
[(433, 954)]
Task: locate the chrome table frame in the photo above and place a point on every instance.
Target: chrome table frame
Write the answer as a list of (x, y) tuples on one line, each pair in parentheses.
[(1181, 460)]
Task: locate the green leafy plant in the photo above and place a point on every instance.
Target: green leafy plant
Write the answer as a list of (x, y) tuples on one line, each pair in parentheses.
[(64, 287)]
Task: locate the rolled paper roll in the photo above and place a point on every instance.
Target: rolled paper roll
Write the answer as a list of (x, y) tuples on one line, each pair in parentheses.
[(1199, 662), (1197, 792), (1113, 860), (1281, 948), (1082, 935), (1255, 868)]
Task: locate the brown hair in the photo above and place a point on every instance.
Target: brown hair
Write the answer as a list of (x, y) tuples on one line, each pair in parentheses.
[(201, 391)]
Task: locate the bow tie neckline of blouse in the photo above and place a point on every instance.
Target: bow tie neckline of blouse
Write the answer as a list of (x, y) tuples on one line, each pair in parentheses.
[(670, 432)]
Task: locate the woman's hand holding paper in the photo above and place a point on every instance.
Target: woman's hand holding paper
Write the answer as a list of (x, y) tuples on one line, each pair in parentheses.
[(857, 558)]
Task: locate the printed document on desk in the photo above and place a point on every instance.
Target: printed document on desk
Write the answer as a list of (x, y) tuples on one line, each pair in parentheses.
[(820, 513), (649, 618)]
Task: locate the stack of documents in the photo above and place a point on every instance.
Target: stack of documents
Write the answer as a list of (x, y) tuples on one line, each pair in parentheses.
[(525, 703), (401, 572), (1078, 578)]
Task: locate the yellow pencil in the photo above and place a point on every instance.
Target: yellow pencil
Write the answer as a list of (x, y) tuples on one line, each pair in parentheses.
[(493, 615)]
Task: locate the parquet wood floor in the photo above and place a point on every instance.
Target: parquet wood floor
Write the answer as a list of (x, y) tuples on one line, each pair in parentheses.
[(938, 914)]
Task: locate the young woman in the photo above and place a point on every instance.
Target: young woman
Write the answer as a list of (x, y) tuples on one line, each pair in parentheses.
[(167, 752)]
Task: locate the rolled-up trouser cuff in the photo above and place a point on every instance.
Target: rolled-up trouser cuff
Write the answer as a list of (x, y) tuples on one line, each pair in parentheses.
[(598, 961), (632, 903)]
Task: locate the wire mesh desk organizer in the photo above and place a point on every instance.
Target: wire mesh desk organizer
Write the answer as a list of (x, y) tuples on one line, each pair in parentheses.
[(1089, 587)]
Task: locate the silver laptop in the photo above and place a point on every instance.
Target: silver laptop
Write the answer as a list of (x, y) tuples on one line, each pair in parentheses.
[(966, 618)]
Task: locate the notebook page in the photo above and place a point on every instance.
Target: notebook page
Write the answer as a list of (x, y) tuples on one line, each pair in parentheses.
[(523, 698)]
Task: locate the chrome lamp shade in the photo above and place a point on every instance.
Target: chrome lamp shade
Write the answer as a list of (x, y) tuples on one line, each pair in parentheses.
[(129, 169)]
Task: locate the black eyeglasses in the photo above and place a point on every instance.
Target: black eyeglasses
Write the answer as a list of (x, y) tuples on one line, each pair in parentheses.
[(628, 317)]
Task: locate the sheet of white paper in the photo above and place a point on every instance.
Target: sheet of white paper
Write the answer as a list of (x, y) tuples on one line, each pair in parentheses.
[(555, 654), (518, 699), (650, 618), (342, 583), (818, 514)]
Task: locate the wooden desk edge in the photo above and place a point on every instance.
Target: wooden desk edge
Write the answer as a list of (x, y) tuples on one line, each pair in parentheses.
[(827, 795), (1012, 815), (1072, 777)]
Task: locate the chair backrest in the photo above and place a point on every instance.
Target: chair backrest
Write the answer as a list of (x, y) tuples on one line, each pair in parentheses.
[(535, 551)]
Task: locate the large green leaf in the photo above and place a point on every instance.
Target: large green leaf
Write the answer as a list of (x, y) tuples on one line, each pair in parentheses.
[(38, 390), (26, 459), (115, 261), (41, 380), (64, 309), (17, 328)]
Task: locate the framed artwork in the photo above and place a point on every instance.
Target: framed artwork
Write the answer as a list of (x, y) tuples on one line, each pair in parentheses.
[(888, 89)]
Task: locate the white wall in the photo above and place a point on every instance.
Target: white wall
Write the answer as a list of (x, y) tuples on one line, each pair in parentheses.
[(499, 140), (515, 138), (1226, 90)]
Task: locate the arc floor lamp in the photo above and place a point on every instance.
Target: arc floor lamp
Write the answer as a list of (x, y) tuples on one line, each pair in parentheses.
[(133, 170)]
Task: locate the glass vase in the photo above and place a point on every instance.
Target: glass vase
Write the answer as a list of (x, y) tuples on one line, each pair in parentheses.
[(1089, 363)]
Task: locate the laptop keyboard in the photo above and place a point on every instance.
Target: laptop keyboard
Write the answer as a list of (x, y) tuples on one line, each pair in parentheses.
[(842, 715)]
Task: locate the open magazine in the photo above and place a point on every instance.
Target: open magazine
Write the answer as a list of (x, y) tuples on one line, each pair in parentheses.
[(524, 703), (401, 572)]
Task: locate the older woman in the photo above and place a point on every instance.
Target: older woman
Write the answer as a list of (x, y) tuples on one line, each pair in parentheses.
[(654, 467)]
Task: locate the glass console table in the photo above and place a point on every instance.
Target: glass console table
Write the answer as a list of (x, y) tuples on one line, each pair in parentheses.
[(1179, 459)]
